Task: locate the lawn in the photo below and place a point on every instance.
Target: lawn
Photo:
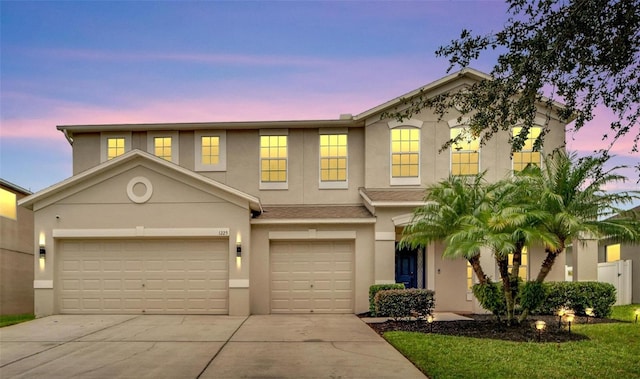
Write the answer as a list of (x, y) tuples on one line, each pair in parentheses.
[(612, 351), (6, 320)]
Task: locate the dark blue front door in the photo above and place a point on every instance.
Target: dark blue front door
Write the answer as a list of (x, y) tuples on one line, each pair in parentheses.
[(406, 268)]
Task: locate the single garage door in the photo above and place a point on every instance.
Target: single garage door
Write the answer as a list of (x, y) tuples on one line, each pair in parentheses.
[(312, 277), (162, 276)]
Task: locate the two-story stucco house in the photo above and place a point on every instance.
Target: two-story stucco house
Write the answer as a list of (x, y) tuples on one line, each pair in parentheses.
[(257, 217)]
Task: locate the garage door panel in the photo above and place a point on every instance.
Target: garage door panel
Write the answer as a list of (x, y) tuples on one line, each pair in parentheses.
[(163, 276), (312, 276)]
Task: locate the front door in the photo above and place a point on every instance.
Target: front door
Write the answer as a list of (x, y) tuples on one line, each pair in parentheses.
[(406, 268)]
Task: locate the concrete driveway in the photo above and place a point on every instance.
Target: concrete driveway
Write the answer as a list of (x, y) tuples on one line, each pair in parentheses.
[(127, 346)]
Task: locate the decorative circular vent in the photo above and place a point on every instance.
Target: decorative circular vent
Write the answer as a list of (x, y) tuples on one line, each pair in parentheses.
[(131, 189)]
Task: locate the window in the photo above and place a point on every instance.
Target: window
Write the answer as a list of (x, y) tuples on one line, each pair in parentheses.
[(8, 207), (113, 145), (469, 277), (524, 263), (465, 158), (163, 145), (210, 151), (333, 160), (273, 161), (405, 156), (612, 252), (527, 156)]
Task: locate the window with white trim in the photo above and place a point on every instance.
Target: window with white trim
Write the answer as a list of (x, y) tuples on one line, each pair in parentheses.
[(113, 145), (163, 145), (211, 151), (273, 161), (465, 153), (333, 160), (405, 155), (526, 155)]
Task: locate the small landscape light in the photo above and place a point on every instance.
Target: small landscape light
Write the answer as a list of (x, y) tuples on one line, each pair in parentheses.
[(430, 321), (561, 313), (637, 313), (540, 326), (589, 313), (569, 316)]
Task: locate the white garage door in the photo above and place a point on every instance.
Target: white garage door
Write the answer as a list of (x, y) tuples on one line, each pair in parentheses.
[(312, 277), (143, 276)]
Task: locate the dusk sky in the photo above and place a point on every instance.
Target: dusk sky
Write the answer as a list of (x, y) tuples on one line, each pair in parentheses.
[(137, 62)]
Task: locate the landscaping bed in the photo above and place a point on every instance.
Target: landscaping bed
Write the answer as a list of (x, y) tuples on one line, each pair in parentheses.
[(486, 326)]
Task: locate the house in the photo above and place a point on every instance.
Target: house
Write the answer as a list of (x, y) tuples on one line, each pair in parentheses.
[(258, 217), (627, 275), (16, 251)]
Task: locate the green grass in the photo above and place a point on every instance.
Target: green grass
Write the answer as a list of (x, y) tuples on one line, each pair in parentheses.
[(6, 320), (612, 351), (625, 312)]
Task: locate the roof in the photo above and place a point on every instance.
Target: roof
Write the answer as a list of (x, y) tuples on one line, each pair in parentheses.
[(14, 187), (314, 214), (29, 201), (390, 198)]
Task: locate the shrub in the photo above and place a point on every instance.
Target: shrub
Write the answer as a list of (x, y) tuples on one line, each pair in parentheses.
[(491, 297), (578, 296), (533, 295), (405, 303), (374, 289)]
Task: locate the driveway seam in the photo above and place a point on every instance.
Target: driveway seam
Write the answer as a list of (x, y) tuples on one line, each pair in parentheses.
[(221, 347), (63, 342)]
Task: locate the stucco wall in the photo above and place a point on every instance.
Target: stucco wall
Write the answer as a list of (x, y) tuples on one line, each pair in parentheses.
[(16, 257)]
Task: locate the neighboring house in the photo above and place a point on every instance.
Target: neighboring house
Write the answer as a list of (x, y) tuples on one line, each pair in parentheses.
[(259, 217), (611, 251), (16, 251)]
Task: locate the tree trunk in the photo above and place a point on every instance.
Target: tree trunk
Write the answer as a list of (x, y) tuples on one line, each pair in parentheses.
[(477, 268), (548, 262), (503, 267)]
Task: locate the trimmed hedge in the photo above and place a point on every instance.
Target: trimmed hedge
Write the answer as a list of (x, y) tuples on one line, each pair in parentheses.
[(407, 303), (374, 289), (491, 296), (578, 296)]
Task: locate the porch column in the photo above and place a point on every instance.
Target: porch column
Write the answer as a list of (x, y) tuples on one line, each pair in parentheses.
[(385, 259)]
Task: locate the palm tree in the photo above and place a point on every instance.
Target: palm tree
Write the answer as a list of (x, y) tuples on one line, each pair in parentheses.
[(570, 193), (452, 205)]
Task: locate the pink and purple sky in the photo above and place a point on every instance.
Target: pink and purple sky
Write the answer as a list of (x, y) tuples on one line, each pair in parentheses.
[(73, 62)]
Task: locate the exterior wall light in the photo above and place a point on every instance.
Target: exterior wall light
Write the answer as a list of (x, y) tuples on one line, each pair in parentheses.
[(43, 252), (238, 246), (540, 326)]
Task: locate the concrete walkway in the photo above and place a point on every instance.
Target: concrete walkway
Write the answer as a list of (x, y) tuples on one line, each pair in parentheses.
[(437, 316), (129, 346)]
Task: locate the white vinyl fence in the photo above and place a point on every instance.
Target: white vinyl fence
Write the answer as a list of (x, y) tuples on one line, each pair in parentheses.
[(617, 273)]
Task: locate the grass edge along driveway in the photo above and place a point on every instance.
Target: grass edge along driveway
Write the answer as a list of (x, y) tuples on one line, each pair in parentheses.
[(612, 351)]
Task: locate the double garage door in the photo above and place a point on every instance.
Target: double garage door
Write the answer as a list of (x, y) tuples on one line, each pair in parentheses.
[(312, 276), (161, 276)]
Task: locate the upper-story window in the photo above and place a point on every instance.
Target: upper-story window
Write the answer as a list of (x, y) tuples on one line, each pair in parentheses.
[(211, 151), (273, 161), (113, 145), (8, 207), (163, 145), (526, 156), (465, 156), (333, 160)]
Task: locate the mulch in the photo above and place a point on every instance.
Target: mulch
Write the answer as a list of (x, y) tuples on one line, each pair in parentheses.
[(486, 326)]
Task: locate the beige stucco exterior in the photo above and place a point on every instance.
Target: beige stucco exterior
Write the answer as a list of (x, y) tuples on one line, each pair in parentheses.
[(16, 257), (102, 199)]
